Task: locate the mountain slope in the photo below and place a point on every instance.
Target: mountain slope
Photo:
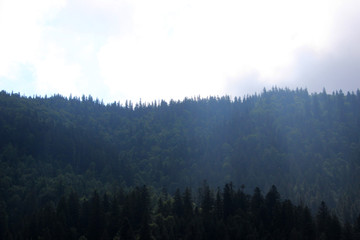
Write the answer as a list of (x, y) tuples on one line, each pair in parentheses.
[(307, 145)]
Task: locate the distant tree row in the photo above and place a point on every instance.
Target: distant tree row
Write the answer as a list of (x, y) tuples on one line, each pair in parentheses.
[(140, 214)]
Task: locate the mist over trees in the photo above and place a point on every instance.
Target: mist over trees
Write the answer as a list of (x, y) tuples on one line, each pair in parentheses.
[(307, 145)]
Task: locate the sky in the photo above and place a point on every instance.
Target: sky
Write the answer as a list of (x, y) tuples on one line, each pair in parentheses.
[(118, 50)]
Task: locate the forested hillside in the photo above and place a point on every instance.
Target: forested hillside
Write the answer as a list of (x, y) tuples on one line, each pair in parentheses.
[(308, 145)]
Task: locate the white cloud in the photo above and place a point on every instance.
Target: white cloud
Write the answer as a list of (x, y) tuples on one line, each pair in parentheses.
[(21, 34), (321, 52), (162, 49), (55, 75), (196, 46), (34, 40), (337, 67)]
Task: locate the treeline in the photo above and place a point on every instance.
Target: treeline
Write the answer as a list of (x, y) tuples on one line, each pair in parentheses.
[(308, 145), (138, 213)]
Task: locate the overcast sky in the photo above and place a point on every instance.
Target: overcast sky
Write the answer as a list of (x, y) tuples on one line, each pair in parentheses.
[(165, 49)]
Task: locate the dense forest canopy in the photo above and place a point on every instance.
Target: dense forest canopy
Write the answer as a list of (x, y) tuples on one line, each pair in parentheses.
[(307, 145), (226, 213)]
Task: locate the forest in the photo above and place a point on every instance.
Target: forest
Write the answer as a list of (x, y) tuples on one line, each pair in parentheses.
[(146, 163), (224, 214)]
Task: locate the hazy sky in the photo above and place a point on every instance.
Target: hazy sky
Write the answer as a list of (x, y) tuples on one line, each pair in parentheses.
[(163, 49)]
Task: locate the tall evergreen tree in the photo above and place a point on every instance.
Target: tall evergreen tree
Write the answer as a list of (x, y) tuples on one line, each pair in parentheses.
[(188, 204)]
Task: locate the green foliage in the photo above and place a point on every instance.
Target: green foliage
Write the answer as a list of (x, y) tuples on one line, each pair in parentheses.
[(308, 145), (140, 221)]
